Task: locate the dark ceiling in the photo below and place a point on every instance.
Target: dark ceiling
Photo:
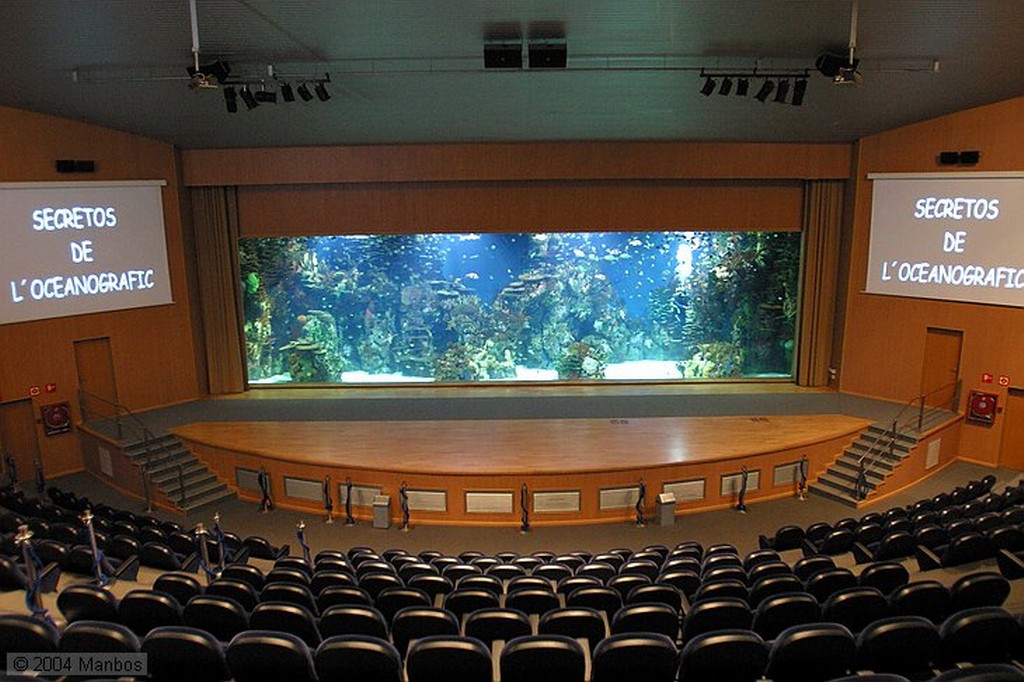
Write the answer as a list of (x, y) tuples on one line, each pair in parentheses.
[(409, 71)]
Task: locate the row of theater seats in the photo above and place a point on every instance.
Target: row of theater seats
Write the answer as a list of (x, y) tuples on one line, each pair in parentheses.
[(978, 644)]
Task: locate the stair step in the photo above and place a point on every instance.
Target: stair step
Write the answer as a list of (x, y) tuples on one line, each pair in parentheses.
[(832, 494), (208, 498), (155, 442), (141, 456), (882, 445), (183, 459), (171, 473), (850, 474), (878, 468), (193, 477), (195, 491), (881, 433), (841, 484)]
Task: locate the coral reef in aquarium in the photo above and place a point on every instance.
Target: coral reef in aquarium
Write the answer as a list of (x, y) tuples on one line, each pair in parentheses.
[(490, 307)]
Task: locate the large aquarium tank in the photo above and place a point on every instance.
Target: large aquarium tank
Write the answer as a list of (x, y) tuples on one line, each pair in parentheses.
[(571, 307)]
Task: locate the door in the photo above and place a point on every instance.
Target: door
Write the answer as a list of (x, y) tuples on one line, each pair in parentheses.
[(941, 372), (96, 383), (1011, 450), (19, 436)]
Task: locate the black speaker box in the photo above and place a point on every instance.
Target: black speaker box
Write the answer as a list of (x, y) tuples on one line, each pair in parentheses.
[(949, 158), (503, 56), (547, 56)]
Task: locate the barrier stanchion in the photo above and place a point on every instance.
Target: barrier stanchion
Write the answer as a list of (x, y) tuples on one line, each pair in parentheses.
[(524, 505)]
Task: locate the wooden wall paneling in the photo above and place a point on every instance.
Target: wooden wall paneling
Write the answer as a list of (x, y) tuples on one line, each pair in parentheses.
[(884, 335), (515, 161), (519, 207)]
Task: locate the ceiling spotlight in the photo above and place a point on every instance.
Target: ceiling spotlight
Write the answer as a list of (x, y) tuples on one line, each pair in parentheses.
[(287, 93), (782, 90), (765, 92), (726, 87), (742, 87), (321, 91), (304, 92), (709, 86), (247, 97), (231, 99), (799, 88)]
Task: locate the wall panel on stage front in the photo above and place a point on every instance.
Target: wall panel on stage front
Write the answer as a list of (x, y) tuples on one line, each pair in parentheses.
[(303, 489), (731, 483), (619, 498), (488, 503), (362, 495), (556, 501), (686, 491), (428, 500)]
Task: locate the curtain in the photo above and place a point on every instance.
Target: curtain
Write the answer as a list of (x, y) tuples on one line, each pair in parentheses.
[(215, 221), (823, 217)]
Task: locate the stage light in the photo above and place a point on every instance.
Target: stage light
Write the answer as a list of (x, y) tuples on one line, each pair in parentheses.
[(304, 92), (287, 93), (231, 99), (321, 91), (782, 90), (742, 87), (765, 92), (799, 89), (726, 87), (709, 86), (247, 97)]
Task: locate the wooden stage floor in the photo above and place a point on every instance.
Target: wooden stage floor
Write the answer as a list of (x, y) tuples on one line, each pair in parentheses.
[(489, 447)]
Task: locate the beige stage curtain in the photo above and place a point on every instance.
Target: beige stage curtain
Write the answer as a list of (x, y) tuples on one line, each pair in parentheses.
[(823, 218), (215, 221)]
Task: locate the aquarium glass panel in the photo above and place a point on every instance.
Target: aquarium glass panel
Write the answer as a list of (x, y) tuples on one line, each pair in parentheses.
[(594, 306)]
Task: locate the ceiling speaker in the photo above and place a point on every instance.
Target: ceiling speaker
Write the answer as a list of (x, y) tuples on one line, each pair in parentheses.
[(547, 55), (503, 56)]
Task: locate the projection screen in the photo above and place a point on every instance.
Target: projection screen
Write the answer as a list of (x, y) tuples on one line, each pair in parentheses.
[(948, 236), (82, 247)]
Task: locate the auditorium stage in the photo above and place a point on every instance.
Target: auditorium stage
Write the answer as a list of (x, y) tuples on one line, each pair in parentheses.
[(465, 454)]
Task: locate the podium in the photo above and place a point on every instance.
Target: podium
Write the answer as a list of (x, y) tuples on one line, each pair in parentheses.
[(665, 509), (382, 511)]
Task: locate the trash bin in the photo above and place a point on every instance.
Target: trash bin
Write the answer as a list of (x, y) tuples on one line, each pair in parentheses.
[(382, 511), (666, 509)]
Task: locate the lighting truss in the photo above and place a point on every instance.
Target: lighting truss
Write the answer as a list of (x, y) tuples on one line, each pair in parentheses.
[(779, 83)]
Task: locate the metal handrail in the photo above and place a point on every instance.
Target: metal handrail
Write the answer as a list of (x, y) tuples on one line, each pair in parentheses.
[(869, 460), (147, 437)]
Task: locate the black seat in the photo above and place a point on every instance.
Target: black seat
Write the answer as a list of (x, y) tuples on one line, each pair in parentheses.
[(824, 584), (479, 581), (464, 602), (535, 657), (222, 617), (158, 555), (505, 571), (575, 622), (288, 575), (767, 568), (657, 618), (418, 622), (260, 548), (603, 599), (528, 582), (181, 586), (290, 592), (772, 585), (143, 610), (260, 655), (433, 585), (241, 592), (646, 656), (716, 614), (886, 576), (926, 598), (246, 573), (294, 563), (1011, 564), (85, 601), (721, 589), (985, 588), (686, 581), (342, 595), (905, 645), (26, 634), (448, 658), (733, 572), (392, 600), (775, 614), (286, 617), (986, 634), (758, 557), (894, 545), (626, 582), (489, 625), (806, 567), (375, 583), (533, 601), (358, 657), (813, 652), (964, 549), (855, 607), (93, 636), (986, 672), (734, 655), (184, 653), (345, 619)]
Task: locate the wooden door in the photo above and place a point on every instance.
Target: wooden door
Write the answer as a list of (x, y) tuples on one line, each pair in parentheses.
[(96, 381), (1011, 450), (19, 435), (941, 367)]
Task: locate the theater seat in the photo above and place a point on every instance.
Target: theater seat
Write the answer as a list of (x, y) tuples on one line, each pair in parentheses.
[(885, 576), (906, 645), (783, 611), (261, 655), (25, 634), (987, 634), (733, 655), (542, 657), (93, 636), (649, 618), (635, 656), (358, 657), (448, 658), (575, 622), (809, 653), (181, 586), (985, 588), (926, 598), (286, 617), (85, 601), (143, 610), (418, 622), (855, 607), (181, 653), (986, 672), (222, 617), (716, 614)]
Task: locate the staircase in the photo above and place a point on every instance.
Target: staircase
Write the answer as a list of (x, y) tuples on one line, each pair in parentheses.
[(170, 465), (839, 482)]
